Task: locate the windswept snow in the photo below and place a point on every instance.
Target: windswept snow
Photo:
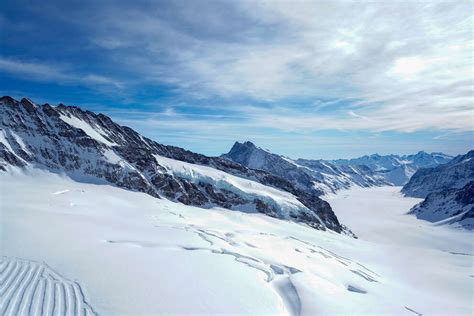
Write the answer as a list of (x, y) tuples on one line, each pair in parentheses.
[(134, 254)]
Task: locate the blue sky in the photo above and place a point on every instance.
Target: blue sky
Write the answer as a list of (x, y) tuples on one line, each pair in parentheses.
[(312, 79)]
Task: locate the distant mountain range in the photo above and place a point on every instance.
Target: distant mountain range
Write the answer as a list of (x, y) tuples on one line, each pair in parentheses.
[(308, 175), (396, 169), (452, 175), (448, 190), (91, 147), (328, 176)]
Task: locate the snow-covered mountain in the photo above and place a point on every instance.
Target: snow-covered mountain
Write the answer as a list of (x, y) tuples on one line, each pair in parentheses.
[(90, 147), (452, 175), (309, 175), (448, 191), (396, 169), (450, 206)]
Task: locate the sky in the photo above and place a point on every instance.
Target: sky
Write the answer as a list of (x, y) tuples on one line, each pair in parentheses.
[(309, 79)]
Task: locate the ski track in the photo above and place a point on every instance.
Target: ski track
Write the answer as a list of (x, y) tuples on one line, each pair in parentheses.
[(33, 288)]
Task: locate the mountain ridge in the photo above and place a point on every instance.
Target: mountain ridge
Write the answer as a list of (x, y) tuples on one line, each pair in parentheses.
[(448, 192), (81, 143), (397, 169), (328, 176)]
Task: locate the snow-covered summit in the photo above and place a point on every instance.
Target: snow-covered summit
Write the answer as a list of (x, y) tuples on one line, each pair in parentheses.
[(396, 169), (90, 147), (308, 175)]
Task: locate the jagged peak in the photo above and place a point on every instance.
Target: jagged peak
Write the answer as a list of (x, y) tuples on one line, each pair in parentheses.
[(245, 144), (7, 99), (238, 146), (27, 102), (422, 153), (106, 151)]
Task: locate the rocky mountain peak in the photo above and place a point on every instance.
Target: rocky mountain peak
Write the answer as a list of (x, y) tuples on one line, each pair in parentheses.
[(452, 175), (314, 176), (85, 145)]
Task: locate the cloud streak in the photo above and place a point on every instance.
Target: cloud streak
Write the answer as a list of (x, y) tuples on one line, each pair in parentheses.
[(47, 72), (295, 67)]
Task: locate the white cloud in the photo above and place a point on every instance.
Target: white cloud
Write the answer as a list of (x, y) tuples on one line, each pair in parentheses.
[(407, 63), (409, 66), (47, 72)]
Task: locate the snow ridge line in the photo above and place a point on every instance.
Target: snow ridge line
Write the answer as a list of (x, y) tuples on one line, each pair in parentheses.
[(32, 288)]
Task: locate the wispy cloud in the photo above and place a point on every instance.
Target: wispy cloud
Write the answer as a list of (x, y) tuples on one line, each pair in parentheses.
[(48, 72), (294, 67)]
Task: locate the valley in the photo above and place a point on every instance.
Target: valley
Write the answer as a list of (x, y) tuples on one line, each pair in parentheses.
[(131, 253)]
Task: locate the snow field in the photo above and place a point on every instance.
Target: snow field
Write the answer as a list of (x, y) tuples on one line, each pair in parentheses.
[(134, 254)]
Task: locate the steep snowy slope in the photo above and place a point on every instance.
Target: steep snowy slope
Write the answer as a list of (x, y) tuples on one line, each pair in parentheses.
[(72, 246), (450, 206), (90, 147), (308, 175), (395, 169), (455, 174), (449, 192)]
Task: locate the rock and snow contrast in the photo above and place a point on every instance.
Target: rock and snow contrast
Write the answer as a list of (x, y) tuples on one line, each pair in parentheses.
[(90, 147), (396, 169), (448, 191), (455, 174), (309, 175), (96, 219), (135, 254), (450, 206), (123, 252)]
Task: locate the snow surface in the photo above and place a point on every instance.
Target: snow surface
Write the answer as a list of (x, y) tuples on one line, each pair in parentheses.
[(87, 128), (135, 254), (3, 140)]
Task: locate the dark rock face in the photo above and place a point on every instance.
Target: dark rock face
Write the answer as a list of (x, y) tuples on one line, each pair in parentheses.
[(449, 206), (454, 174), (312, 176), (465, 196), (86, 145), (448, 191)]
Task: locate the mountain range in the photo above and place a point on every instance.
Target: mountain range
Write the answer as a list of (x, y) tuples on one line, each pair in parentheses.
[(448, 190), (90, 147), (309, 175), (395, 169), (328, 176)]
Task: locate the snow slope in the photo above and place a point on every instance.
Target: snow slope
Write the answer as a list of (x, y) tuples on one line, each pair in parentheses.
[(429, 268), (138, 255), (448, 190), (284, 202), (453, 206)]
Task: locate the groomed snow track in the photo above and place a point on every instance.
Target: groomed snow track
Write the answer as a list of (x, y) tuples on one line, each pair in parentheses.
[(33, 288)]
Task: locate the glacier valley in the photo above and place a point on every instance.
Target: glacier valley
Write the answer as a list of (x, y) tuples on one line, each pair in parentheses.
[(70, 248)]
